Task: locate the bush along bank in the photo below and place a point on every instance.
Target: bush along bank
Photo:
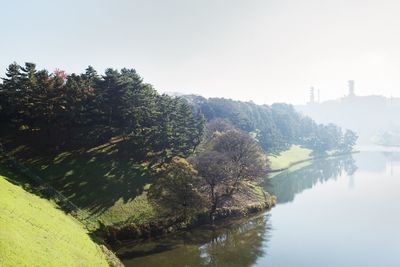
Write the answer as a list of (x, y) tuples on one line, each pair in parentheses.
[(223, 180), (117, 235)]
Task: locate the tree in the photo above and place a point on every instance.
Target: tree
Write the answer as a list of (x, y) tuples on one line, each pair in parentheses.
[(275, 127), (188, 129), (324, 138), (91, 109), (214, 168), (199, 129), (248, 160), (176, 189), (349, 141), (287, 122), (2, 103), (11, 100), (217, 125), (234, 158)]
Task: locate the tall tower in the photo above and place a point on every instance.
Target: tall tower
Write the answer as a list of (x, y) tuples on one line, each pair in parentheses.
[(312, 96), (351, 88)]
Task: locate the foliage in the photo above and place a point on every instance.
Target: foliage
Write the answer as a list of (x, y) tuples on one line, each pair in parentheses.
[(95, 138), (349, 141), (58, 106), (214, 168), (245, 155), (275, 127), (153, 126), (234, 158), (176, 189), (217, 125), (324, 138)]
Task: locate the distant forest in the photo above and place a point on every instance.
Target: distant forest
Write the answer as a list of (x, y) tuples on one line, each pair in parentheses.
[(275, 127), (61, 109)]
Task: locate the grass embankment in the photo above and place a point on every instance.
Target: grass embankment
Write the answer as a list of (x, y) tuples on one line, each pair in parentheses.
[(33, 232), (250, 199), (289, 157), (107, 188), (296, 158)]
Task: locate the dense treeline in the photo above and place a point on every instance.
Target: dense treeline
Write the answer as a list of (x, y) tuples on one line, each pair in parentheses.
[(276, 127), (90, 108), (87, 109), (57, 110)]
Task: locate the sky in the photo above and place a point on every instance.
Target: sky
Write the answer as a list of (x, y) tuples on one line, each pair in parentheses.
[(261, 50)]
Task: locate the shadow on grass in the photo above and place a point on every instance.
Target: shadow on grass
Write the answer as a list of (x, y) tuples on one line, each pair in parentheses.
[(93, 179)]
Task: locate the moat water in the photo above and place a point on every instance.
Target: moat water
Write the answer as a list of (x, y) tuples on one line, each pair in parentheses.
[(336, 212)]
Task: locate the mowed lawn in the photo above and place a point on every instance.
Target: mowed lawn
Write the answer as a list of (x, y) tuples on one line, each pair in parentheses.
[(285, 158), (34, 232), (107, 188)]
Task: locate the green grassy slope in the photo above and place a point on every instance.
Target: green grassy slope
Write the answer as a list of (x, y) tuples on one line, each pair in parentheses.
[(284, 159), (33, 232), (107, 188)]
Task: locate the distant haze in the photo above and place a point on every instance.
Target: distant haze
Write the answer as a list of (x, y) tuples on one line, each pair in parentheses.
[(260, 50), (374, 118)]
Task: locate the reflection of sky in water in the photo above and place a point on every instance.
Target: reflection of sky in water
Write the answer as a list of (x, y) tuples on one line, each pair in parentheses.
[(349, 221), (334, 213), (204, 254)]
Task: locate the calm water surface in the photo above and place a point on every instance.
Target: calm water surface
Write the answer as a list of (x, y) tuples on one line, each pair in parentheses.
[(342, 212)]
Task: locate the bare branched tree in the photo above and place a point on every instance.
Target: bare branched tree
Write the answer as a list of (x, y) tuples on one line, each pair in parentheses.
[(235, 158)]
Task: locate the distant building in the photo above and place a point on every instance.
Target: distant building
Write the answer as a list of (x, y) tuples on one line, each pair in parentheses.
[(312, 96), (351, 88)]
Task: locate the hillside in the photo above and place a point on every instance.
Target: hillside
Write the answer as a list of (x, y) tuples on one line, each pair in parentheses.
[(34, 232), (109, 144), (106, 188), (96, 139), (288, 157)]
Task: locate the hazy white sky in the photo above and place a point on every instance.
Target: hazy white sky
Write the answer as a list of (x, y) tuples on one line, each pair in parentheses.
[(261, 50)]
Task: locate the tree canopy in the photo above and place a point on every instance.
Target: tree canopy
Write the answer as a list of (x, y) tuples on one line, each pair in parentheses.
[(177, 189), (275, 127), (232, 158), (89, 108)]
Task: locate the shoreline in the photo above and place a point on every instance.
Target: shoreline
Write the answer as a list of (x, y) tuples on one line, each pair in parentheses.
[(117, 235), (312, 159)]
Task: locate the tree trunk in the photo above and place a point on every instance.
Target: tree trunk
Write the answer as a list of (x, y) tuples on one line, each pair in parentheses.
[(214, 204)]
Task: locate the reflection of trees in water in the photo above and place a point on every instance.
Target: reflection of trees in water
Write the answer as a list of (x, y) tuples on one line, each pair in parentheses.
[(240, 246), (373, 161), (286, 185), (229, 243), (393, 156)]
